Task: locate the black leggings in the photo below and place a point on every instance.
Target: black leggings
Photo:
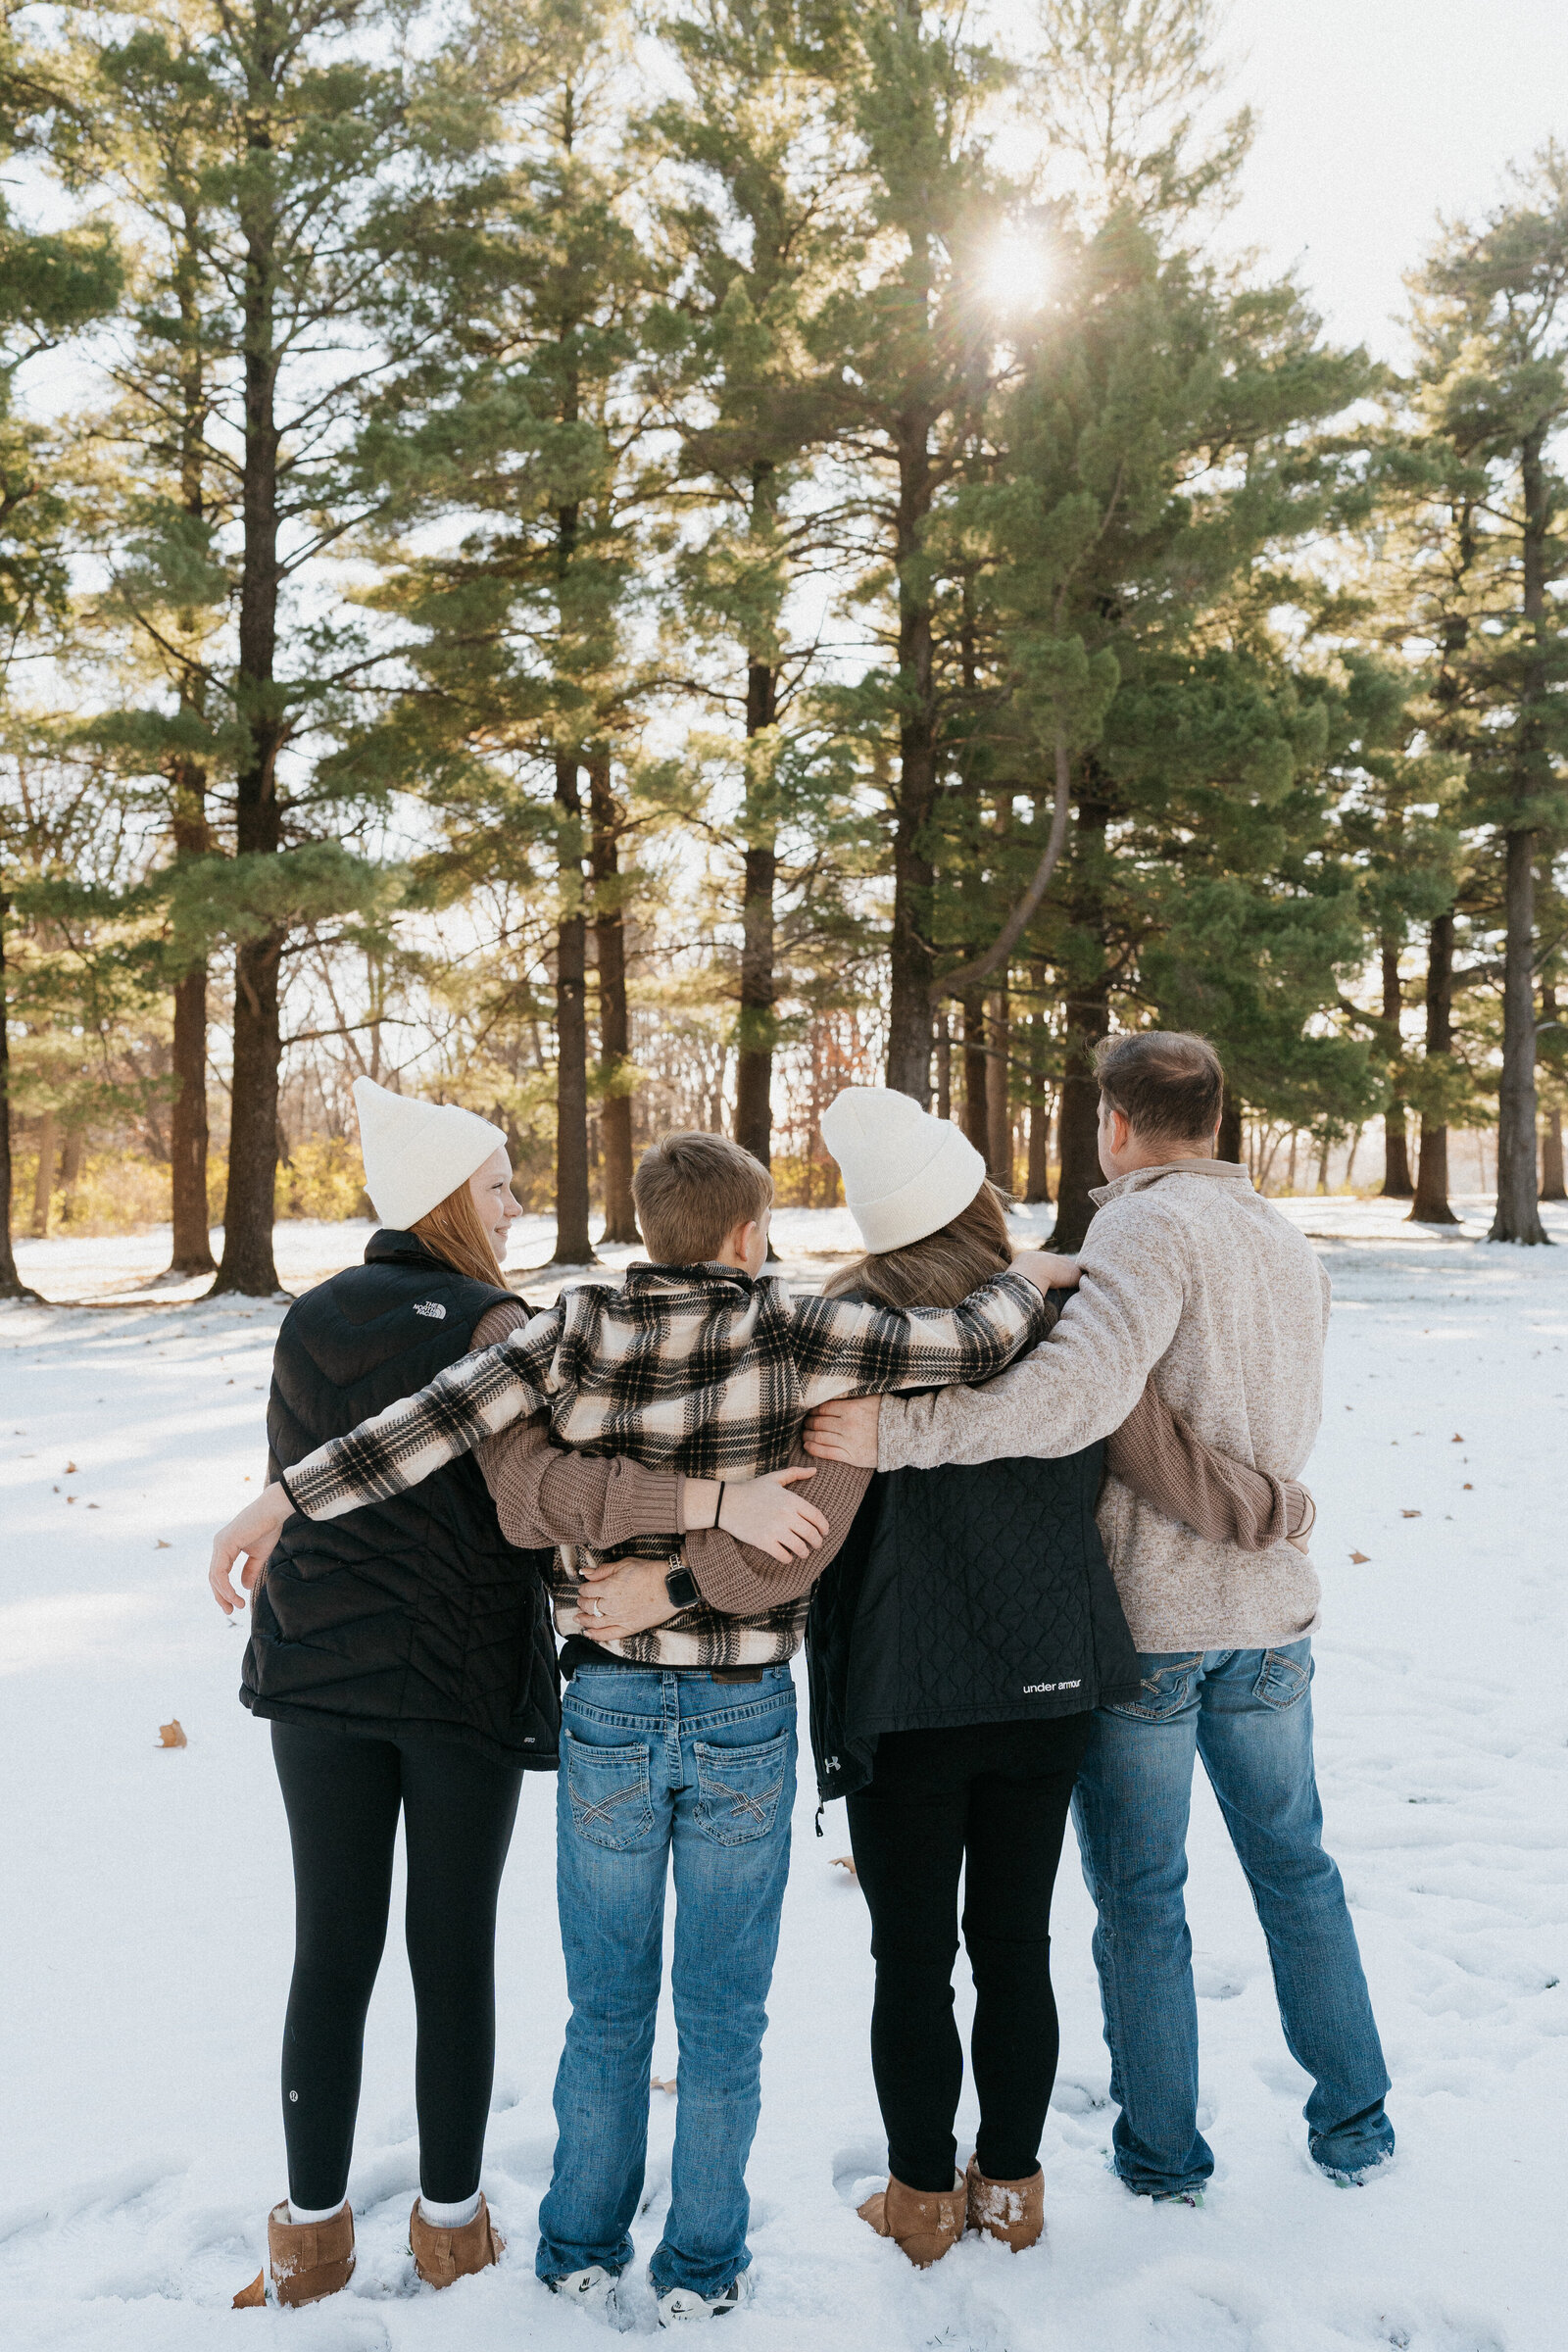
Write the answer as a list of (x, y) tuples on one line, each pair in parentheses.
[(343, 1795), (993, 1797)]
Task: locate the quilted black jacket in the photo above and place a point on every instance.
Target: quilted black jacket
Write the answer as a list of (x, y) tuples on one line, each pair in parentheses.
[(413, 1617), (964, 1595)]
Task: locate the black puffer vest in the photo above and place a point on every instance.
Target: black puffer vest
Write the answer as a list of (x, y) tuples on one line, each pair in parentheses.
[(964, 1595), (415, 1616)]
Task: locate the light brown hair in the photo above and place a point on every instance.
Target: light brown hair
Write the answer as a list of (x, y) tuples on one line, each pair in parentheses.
[(1165, 1082), (453, 1232), (940, 1269), (690, 1191)]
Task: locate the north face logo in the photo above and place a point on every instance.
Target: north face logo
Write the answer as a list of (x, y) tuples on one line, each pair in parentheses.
[(434, 1308)]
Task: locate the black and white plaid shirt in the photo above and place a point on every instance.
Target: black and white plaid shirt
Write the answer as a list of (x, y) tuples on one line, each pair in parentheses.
[(691, 1368)]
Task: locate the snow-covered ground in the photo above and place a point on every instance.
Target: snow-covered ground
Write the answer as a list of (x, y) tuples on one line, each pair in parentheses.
[(145, 1927)]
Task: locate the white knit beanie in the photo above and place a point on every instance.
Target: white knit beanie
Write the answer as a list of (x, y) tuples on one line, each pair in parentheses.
[(906, 1174), (416, 1152)]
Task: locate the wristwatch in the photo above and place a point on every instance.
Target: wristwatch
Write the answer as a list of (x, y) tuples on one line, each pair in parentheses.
[(681, 1586)]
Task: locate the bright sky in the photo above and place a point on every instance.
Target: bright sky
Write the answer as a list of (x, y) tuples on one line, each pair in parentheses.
[(1376, 116)]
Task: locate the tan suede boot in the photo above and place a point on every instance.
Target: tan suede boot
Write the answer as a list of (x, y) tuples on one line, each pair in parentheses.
[(1014, 2210), (309, 2258), (442, 2255), (925, 2226)]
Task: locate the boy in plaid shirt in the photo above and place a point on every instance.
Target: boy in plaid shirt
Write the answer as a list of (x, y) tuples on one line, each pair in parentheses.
[(678, 1736), (700, 1365)]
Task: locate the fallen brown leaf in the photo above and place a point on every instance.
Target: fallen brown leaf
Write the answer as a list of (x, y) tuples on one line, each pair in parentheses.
[(659, 2084), (847, 1862), (1468, 1487), (70, 1470), (1360, 1559), (163, 1545), (1456, 1440), (171, 1735), (252, 2297), (1409, 1514)]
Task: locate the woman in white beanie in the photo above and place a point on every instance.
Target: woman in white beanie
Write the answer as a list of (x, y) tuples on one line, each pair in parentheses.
[(957, 1645), (404, 1658)]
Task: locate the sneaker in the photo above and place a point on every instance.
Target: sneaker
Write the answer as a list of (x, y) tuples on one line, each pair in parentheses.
[(594, 2290), (1175, 2197), (683, 2303)]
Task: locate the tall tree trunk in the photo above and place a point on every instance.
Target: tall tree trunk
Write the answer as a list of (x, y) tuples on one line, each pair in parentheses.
[(615, 1028), (572, 1244), (1551, 1165), (1087, 1014), (190, 1240), (1396, 1185), (71, 1159), (756, 1031), (1228, 1144), (977, 1071), (999, 1106), (943, 1066), (12, 1285), (190, 1251), (1517, 1217), (43, 1182), (1552, 1169), (911, 957), (1038, 1183), (1431, 1172), (248, 1265)]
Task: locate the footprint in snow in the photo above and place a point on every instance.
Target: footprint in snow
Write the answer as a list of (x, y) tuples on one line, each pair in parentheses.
[(859, 2169)]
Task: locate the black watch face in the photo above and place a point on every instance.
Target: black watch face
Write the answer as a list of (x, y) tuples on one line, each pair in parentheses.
[(681, 1586)]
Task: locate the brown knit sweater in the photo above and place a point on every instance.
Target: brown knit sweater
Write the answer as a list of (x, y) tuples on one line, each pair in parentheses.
[(546, 1495)]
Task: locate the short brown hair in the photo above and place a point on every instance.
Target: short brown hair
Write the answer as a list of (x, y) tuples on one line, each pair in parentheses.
[(1165, 1082), (941, 1268), (453, 1232), (691, 1192)]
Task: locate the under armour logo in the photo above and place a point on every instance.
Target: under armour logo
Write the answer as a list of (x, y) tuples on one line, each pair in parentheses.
[(431, 1307)]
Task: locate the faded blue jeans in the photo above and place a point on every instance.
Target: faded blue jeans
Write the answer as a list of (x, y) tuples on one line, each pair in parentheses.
[(659, 1767), (1249, 1714)]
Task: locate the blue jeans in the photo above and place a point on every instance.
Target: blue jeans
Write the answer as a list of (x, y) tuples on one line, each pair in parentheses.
[(658, 1766), (1249, 1714)]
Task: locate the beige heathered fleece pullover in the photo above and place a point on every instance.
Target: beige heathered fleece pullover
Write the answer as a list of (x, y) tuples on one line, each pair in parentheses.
[(1188, 1275)]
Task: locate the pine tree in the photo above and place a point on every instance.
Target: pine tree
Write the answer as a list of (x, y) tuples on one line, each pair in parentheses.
[(168, 510), (52, 286), (918, 358), (272, 223), (759, 229), (1492, 326), (510, 412)]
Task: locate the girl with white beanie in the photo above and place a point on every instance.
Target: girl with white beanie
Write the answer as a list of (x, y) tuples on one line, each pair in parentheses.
[(404, 1658), (957, 1646)]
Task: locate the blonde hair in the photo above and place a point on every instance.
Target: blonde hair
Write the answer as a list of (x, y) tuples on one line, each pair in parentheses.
[(454, 1231), (690, 1191), (941, 1268)]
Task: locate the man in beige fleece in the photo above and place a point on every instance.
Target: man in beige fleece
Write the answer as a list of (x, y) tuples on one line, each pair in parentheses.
[(1191, 1278)]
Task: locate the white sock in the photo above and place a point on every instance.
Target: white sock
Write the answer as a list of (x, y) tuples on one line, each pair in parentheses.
[(449, 2217), (308, 2213)]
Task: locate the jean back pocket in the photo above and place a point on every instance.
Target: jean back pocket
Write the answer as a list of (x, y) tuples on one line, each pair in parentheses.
[(1164, 1693), (612, 1803), (738, 1789), (1281, 1680)]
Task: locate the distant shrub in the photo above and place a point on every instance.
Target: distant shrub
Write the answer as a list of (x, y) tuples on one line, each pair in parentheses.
[(325, 1178), (114, 1192)]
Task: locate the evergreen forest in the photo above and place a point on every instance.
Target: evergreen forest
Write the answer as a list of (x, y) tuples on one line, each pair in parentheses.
[(630, 566)]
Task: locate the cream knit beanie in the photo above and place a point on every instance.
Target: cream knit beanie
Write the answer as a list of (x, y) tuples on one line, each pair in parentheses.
[(906, 1174), (416, 1152)]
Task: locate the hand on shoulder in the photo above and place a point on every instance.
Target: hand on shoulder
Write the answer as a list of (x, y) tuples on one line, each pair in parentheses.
[(1046, 1270)]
